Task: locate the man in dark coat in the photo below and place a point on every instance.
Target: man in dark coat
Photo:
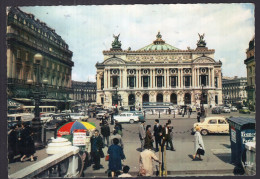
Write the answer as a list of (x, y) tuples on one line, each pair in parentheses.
[(198, 116), (157, 129), (167, 136), (96, 149), (105, 131)]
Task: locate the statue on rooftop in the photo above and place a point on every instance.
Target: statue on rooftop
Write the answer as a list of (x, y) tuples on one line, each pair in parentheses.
[(201, 41), (116, 44)]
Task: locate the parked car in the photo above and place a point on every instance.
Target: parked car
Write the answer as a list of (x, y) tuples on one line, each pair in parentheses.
[(101, 114), (233, 109), (139, 114), (226, 110), (58, 120), (78, 116), (126, 117), (46, 117), (214, 124), (216, 110), (244, 110)]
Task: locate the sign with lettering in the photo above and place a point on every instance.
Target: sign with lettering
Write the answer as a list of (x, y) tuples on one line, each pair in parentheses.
[(79, 138), (233, 135), (247, 135)]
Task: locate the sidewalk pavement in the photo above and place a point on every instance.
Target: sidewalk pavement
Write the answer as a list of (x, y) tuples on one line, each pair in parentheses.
[(216, 161)]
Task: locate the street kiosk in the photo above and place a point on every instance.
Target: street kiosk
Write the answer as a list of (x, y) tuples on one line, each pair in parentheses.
[(242, 130)]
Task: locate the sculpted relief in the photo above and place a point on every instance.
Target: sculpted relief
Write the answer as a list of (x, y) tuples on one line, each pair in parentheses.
[(114, 61)]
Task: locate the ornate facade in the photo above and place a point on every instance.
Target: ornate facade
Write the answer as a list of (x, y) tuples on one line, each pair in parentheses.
[(234, 90), (159, 72), (250, 67), (84, 92), (27, 36)]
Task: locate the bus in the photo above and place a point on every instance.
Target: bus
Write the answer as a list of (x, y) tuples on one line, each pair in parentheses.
[(43, 109)]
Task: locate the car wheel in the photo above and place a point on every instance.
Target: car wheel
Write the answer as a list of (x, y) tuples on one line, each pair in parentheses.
[(204, 132), (131, 121)]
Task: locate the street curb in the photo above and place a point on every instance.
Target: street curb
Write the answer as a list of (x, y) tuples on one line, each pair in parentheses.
[(226, 172)]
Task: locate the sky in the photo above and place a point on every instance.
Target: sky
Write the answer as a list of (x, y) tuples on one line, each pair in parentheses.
[(88, 30)]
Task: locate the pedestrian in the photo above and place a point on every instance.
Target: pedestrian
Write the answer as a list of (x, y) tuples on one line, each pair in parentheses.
[(126, 169), (198, 116), (118, 128), (171, 132), (12, 143), (167, 136), (157, 129), (112, 118), (169, 110), (105, 131), (28, 143), (116, 154), (148, 140), (118, 136), (96, 149), (146, 162), (190, 110), (142, 134), (198, 144)]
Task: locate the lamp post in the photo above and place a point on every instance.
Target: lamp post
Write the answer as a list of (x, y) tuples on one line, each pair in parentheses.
[(38, 94), (202, 101)]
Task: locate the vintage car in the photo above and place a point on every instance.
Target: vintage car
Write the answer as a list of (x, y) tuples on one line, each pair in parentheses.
[(139, 114), (214, 124), (126, 117), (226, 110), (216, 110), (233, 109), (78, 116), (46, 117), (102, 113), (244, 110)]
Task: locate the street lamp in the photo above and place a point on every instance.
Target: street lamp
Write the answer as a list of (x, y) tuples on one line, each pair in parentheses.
[(202, 100), (38, 94)]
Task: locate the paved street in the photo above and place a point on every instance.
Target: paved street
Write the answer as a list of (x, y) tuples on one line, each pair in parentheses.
[(215, 162)]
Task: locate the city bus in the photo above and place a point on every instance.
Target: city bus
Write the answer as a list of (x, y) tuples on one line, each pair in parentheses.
[(156, 107), (43, 109)]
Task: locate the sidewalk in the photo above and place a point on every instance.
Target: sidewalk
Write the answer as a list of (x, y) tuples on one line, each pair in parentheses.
[(216, 161)]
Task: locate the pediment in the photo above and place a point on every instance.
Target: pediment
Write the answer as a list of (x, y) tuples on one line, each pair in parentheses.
[(114, 60), (204, 60)]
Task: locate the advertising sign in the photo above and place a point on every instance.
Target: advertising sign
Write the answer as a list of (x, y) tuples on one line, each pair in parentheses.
[(247, 135), (233, 135), (79, 137)]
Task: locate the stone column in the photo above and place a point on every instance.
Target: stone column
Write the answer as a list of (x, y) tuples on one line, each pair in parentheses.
[(213, 78), (209, 72), (108, 79), (124, 78), (179, 78), (105, 79), (165, 78), (140, 77), (181, 82)]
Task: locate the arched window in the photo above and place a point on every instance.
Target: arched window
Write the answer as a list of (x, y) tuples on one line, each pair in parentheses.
[(131, 99), (173, 98), (187, 98), (145, 98), (159, 98)]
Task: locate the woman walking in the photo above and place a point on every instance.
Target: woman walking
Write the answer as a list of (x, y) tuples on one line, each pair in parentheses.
[(116, 154), (198, 144), (27, 142)]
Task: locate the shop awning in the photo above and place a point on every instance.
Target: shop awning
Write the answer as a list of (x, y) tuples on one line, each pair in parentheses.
[(22, 99)]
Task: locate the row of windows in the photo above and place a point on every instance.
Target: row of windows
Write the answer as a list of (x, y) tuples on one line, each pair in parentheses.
[(40, 31), (159, 81)]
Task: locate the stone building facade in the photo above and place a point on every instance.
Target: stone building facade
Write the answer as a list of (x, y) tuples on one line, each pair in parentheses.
[(84, 92), (159, 72), (250, 67), (27, 36), (234, 90)]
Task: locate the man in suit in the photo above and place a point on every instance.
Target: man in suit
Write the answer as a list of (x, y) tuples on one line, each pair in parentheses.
[(96, 149), (167, 136), (142, 134), (157, 129)]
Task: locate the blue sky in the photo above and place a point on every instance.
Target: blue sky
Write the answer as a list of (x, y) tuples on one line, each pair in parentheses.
[(88, 30)]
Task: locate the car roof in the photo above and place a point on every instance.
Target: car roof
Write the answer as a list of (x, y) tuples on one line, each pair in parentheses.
[(215, 117)]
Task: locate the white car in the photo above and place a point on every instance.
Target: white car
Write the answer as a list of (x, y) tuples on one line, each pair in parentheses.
[(226, 110), (78, 116), (126, 117), (233, 108), (46, 117), (100, 114)]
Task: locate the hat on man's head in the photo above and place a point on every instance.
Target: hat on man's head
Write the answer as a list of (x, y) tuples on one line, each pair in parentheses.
[(157, 120)]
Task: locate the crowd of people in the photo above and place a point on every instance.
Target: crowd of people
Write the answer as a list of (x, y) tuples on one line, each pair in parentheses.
[(20, 142)]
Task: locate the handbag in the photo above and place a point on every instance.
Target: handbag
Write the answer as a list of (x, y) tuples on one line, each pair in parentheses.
[(107, 157), (200, 151), (101, 153)]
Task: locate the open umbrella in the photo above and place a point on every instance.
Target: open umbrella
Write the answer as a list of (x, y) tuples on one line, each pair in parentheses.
[(68, 128)]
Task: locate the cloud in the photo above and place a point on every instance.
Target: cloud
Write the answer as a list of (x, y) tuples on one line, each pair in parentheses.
[(89, 30)]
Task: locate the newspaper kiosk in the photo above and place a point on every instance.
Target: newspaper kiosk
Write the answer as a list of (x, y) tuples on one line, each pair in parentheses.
[(241, 130)]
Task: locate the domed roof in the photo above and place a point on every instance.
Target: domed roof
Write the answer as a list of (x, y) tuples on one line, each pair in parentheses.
[(158, 44)]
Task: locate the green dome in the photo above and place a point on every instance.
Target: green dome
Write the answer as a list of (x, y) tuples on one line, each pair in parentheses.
[(158, 44)]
